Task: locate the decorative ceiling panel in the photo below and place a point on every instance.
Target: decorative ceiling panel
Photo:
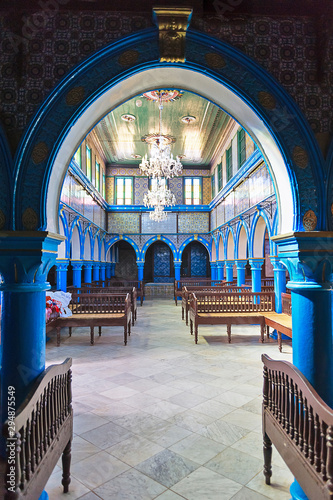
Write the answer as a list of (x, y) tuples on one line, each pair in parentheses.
[(196, 123)]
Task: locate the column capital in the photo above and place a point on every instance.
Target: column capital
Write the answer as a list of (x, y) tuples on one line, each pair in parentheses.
[(213, 264), (88, 264), (229, 263), (277, 263), (140, 263), (96, 264), (62, 264), (27, 256), (77, 265), (256, 263), (177, 263), (240, 263), (308, 257)]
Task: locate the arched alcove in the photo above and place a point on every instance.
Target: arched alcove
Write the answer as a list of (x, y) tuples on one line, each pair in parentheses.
[(213, 252), (126, 262), (195, 261), (230, 246), (243, 249), (87, 247), (159, 267), (75, 252), (221, 248), (259, 238), (62, 254)]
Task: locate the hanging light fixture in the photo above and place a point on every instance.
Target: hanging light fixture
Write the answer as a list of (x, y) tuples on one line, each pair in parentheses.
[(161, 162), (160, 196)]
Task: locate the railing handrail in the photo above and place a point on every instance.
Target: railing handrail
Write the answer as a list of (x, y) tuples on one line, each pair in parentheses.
[(38, 388)]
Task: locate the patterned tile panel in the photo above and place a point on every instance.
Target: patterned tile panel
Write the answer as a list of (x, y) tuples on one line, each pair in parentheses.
[(176, 187), (242, 200), (260, 185), (109, 189), (152, 227), (193, 222), (140, 189), (123, 222), (206, 190)]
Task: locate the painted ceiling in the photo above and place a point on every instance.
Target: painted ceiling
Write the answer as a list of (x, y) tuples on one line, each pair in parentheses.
[(195, 124)]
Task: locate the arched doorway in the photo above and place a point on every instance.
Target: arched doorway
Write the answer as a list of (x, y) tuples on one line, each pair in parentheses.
[(126, 261), (195, 261), (159, 266)]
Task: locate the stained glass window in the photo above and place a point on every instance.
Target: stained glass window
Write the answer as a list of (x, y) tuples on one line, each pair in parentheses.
[(88, 162), (124, 190), (103, 186), (192, 190), (97, 176), (77, 157)]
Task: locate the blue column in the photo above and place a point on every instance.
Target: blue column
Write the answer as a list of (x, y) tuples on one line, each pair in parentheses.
[(23, 311), (96, 271), (102, 272), (108, 270), (140, 265), (256, 274), (87, 271), (279, 281), (62, 266), (213, 271), (177, 266), (309, 260), (220, 269), (77, 267), (229, 270), (113, 269), (240, 266)]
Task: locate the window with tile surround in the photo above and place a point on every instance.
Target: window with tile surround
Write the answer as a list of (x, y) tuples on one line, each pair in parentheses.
[(228, 157), (192, 190), (219, 176), (124, 190), (97, 176), (241, 147), (103, 186)]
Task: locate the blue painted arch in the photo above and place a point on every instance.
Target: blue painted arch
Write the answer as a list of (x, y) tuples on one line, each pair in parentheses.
[(154, 239), (292, 153), (189, 240), (114, 240), (240, 225), (229, 231), (76, 224), (260, 214), (65, 226)]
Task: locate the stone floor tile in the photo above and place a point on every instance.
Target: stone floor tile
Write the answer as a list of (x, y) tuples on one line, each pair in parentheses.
[(130, 484), (98, 469), (197, 448), (134, 450), (235, 465)]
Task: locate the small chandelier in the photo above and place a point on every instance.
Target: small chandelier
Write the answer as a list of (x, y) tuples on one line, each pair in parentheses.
[(159, 197), (161, 162), (158, 214)]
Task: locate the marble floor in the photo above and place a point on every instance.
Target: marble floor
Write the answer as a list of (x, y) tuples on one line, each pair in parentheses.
[(163, 418)]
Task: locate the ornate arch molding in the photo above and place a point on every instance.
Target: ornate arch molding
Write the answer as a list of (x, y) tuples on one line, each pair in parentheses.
[(272, 118), (205, 243), (154, 239), (6, 172), (114, 240)]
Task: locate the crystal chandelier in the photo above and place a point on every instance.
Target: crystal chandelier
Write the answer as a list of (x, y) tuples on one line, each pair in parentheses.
[(161, 196), (161, 162)]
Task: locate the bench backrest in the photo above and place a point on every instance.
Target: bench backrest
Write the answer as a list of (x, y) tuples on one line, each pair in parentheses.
[(286, 303), (305, 426), (43, 425), (179, 284), (100, 303), (225, 288), (234, 302)]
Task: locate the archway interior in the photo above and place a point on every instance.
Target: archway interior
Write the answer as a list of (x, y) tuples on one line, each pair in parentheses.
[(126, 261), (195, 261), (159, 266), (174, 77)]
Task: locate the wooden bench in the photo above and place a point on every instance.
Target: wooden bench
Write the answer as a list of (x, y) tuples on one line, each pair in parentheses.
[(139, 285), (39, 434), (300, 425), (97, 309), (187, 290), (282, 323), (93, 288), (229, 309), (179, 284)]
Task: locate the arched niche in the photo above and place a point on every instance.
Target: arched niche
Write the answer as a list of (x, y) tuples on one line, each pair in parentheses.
[(75, 244), (195, 261)]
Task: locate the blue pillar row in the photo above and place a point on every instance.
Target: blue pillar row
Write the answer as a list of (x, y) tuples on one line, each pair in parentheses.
[(256, 274), (213, 271), (23, 311), (177, 266), (96, 271), (220, 270), (62, 266), (279, 282), (229, 270), (240, 266), (103, 272), (140, 265), (309, 259), (77, 267), (87, 271), (108, 270)]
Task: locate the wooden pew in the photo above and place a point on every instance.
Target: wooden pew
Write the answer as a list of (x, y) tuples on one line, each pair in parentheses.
[(94, 288), (229, 309), (222, 288), (39, 434), (179, 284), (97, 309), (300, 425), (139, 285)]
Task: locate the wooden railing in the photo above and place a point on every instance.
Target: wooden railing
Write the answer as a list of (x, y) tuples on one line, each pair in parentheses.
[(39, 434), (300, 424)]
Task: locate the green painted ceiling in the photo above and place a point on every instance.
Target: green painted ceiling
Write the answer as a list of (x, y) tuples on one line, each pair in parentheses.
[(199, 140)]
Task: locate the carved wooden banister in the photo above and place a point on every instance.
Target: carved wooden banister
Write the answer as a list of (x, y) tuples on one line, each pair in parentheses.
[(41, 429), (300, 424)]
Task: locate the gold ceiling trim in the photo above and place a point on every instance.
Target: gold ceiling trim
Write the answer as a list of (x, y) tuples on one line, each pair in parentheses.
[(172, 24)]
